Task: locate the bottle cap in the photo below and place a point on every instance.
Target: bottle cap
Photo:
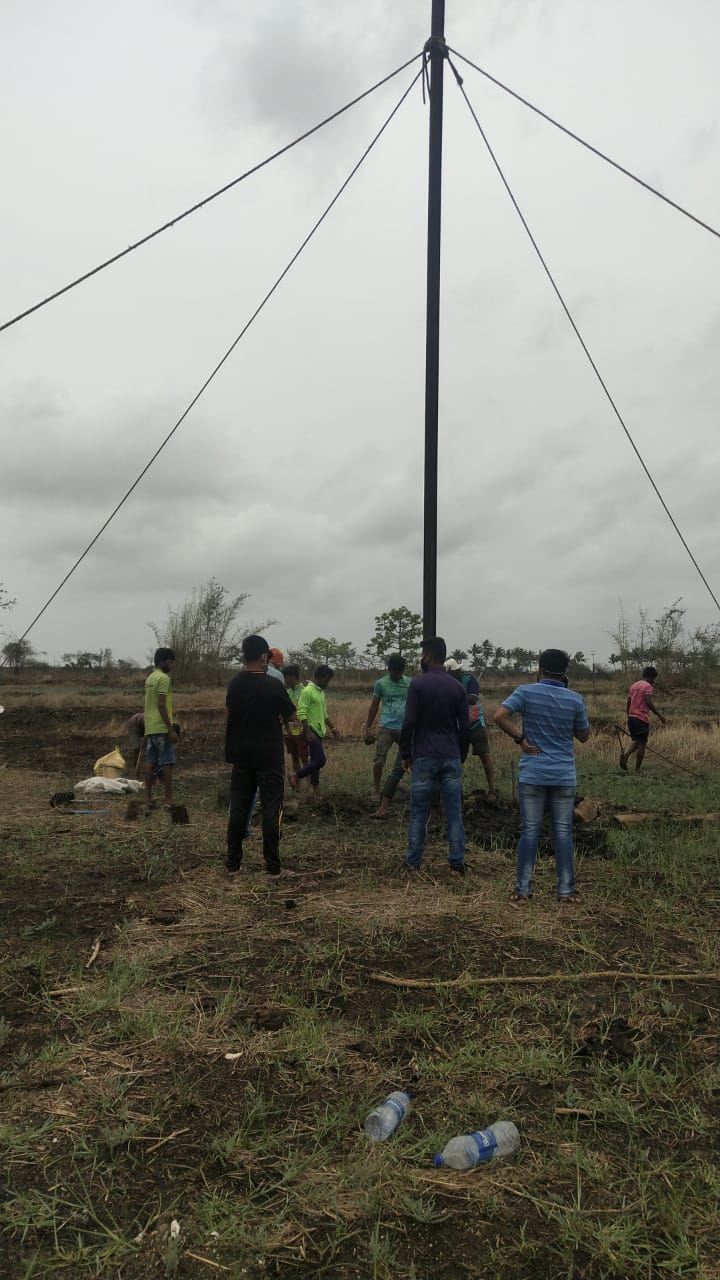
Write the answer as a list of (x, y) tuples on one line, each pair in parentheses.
[(438, 1161)]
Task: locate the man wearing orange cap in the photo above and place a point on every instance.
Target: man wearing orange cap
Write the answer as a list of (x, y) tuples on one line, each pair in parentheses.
[(276, 662)]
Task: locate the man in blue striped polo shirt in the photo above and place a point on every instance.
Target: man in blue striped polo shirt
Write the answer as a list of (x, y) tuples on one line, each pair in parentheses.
[(552, 717)]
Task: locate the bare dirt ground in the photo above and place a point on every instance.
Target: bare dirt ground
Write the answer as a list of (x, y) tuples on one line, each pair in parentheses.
[(177, 1045)]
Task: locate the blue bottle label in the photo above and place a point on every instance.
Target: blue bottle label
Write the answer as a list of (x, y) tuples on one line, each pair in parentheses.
[(395, 1106), (486, 1143)]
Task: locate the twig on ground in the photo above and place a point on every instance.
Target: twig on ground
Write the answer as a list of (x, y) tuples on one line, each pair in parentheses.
[(442, 1180), (590, 975), (94, 953), (208, 1261), (161, 1143)]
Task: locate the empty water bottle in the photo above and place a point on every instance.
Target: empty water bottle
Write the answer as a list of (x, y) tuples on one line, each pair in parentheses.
[(500, 1139), (384, 1120)]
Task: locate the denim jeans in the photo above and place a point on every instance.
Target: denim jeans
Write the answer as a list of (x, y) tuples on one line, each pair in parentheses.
[(428, 773), (533, 799)]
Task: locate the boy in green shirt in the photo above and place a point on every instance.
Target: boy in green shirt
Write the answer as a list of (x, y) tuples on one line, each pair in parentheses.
[(313, 716)]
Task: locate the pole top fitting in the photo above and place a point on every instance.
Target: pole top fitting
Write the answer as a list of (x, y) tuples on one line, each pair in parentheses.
[(435, 44)]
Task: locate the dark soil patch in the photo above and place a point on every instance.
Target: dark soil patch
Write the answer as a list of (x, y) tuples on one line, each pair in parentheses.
[(343, 806), (495, 827), (499, 828), (68, 740)]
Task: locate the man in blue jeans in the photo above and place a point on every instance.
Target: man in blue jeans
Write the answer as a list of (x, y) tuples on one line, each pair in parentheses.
[(434, 743), (552, 717)]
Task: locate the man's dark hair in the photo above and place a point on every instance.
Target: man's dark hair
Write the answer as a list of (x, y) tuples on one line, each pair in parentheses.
[(163, 655), (436, 647), (396, 664), (291, 670), (650, 673), (324, 672), (554, 662), (253, 647)]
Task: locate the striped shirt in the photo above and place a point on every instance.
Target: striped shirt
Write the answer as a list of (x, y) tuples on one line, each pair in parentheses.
[(551, 714)]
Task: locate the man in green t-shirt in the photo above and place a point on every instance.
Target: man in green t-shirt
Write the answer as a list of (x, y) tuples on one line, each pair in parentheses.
[(160, 736), (391, 693), (313, 716)]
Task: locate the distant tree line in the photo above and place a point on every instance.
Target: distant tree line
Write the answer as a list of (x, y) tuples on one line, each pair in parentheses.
[(206, 633)]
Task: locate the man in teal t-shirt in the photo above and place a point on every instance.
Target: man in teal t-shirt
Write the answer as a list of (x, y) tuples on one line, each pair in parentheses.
[(390, 692)]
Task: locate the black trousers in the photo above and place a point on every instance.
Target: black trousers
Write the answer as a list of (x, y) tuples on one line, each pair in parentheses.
[(316, 762), (243, 784)]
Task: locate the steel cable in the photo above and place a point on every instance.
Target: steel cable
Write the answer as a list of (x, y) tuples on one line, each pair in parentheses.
[(108, 262), (222, 361), (582, 342)]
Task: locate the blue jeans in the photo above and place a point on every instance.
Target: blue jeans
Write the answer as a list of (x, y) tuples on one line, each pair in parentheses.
[(533, 799), (428, 773)]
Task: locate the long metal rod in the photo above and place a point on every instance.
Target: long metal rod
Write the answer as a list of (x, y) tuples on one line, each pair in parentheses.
[(436, 57)]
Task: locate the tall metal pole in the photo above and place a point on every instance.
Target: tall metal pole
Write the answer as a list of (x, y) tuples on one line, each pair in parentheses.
[(436, 50)]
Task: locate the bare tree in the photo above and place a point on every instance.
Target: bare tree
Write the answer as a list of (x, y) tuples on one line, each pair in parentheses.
[(204, 631), (621, 638)]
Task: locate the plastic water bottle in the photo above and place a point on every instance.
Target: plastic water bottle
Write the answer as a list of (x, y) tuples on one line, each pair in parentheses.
[(500, 1139), (384, 1120)]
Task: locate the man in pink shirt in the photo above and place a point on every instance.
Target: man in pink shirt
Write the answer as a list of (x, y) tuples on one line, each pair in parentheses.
[(639, 706)]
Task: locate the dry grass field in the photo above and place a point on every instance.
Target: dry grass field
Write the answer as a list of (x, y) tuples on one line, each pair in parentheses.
[(175, 1045)]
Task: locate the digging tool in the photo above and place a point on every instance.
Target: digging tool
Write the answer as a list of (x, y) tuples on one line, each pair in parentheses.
[(659, 754)]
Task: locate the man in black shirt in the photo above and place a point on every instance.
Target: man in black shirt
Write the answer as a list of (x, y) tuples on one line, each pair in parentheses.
[(256, 709)]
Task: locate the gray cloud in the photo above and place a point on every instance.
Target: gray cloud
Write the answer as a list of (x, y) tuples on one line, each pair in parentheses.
[(292, 64), (298, 476)]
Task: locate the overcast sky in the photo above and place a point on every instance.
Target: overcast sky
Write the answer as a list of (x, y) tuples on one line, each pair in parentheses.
[(298, 477)]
